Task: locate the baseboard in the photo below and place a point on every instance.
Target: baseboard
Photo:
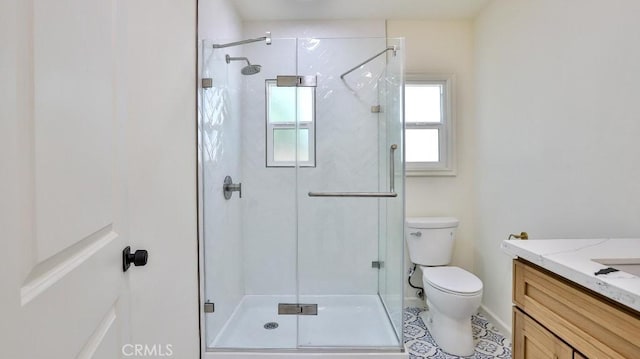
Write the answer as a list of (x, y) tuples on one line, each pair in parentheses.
[(414, 302), (499, 324)]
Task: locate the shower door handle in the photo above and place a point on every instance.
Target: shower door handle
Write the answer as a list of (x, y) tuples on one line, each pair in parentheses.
[(392, 168), (392, 191)]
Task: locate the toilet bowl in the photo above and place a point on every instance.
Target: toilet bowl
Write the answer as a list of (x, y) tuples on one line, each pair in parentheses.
[(452, 293)]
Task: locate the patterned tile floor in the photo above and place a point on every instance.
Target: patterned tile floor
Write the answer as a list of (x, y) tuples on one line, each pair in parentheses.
[(490, 343)]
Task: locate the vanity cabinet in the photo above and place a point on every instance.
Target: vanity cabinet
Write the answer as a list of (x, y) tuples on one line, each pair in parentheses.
[(556, 318), (533, 341)]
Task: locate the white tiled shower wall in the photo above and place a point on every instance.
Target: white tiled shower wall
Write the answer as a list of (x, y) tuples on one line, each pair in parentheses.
[(337, 237)]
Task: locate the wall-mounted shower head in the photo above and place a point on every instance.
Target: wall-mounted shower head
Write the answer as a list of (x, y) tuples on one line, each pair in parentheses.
[(250, 69), (247, 70)]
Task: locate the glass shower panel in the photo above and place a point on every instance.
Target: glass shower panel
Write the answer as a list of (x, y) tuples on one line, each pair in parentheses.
[(249, 240), (391, 216), (347, 242)]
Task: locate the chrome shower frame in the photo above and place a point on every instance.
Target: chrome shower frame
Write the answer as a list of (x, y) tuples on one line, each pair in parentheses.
[(266, 39), (393, 48)]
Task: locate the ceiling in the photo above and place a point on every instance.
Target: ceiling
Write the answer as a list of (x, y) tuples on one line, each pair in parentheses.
[(358, 9)]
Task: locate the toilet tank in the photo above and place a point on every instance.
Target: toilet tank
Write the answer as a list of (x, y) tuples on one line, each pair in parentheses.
[(430, 239)]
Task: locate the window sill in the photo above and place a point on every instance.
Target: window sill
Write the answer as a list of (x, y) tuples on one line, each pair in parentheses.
[(430, 172)]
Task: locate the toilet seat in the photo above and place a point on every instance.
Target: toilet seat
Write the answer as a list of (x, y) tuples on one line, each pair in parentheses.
[(453, 280), (432, 222)]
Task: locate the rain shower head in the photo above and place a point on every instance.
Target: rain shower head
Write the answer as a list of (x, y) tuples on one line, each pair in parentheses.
[(250, 69), (247, 70)]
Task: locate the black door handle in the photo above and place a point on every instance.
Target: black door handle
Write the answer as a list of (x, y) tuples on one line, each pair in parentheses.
[(139, 258)]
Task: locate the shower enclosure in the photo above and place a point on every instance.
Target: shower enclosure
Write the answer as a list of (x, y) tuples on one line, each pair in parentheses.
[(301, 195)]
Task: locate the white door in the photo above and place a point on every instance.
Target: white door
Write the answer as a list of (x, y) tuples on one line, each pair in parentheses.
[(65, 206), (63, 192)]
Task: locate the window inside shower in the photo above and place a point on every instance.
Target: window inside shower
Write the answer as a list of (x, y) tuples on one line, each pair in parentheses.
[(290, 124), (310, 256)]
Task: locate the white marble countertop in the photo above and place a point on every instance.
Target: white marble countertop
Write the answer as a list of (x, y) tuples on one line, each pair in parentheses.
[(573, 260)]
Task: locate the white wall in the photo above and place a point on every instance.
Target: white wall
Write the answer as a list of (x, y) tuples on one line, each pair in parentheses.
[(220, 148), (557, 124), (445, 47), (337, 242), (161, 170), (316, 28), (218, 19)]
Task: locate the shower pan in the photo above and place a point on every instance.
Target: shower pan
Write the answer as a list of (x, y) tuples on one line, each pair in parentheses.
[(309, 259)]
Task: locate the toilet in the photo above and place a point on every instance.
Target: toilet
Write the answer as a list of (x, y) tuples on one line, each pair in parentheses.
[(452, 293)]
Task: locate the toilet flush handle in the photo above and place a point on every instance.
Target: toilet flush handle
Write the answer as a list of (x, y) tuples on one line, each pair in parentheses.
[(416, 234)]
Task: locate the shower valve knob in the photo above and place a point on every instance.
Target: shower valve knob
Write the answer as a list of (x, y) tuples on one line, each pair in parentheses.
[(228, 187)]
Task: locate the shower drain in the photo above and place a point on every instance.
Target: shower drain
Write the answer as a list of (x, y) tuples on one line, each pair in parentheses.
[(271, 325)]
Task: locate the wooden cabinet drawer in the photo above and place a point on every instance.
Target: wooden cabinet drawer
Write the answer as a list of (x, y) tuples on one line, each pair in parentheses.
[(592, 324), (533, 341)]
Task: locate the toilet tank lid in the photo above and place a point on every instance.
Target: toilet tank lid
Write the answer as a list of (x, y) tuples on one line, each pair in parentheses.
[(432, 222)]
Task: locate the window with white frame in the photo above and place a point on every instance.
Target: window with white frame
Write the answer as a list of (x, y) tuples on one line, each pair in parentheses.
[(286, 107), (429, 147)]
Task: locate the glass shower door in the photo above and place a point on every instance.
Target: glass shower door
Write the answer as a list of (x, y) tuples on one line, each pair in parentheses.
[(350, 203), (249, 237)]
